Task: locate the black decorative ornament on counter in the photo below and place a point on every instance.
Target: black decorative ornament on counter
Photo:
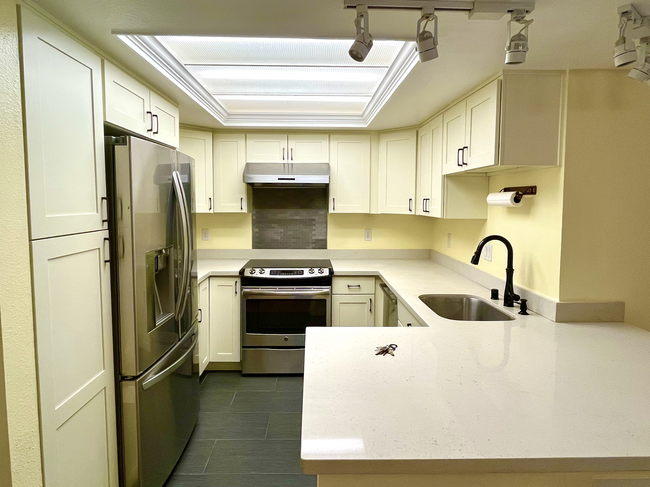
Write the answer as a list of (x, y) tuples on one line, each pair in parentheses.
[(385, 350)]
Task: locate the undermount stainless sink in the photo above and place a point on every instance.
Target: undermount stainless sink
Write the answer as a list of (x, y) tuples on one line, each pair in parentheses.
[(463, 307)]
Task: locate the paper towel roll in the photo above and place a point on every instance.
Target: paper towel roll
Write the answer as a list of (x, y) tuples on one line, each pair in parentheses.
[(504, 199)]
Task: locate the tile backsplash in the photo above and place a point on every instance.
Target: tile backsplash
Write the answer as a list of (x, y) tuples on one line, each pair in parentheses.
[(290, 218)]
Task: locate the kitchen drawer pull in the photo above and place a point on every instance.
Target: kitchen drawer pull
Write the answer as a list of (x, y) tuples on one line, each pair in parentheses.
[(371, 305), (464, 149), (356, 286), (410, 205)]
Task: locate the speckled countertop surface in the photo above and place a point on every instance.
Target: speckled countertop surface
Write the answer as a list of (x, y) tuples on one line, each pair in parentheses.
[(527, 395)]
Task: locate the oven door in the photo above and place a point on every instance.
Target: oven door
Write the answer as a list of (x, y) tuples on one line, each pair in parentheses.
[(277, 317)]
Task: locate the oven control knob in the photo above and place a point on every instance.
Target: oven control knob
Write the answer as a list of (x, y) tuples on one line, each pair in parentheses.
[(321, 270), (311, 271), (262, 271), (286, 339), (252, 271)]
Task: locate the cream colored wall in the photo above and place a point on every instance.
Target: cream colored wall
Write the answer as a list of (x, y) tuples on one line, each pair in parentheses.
[(18, 352), (388, 231), (534, 230), (234, 231), (606, 223)]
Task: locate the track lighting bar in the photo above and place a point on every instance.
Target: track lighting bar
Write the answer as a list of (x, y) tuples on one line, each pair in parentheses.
[(476, 9)]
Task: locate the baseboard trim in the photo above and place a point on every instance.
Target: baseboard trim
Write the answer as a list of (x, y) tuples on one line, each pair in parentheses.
[(212, 366), (566, 312)]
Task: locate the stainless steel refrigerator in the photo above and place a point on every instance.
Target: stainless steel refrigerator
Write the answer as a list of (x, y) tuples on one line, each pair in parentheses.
[(151, 252)]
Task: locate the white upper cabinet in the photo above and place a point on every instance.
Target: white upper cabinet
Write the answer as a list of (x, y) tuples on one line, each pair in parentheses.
[(266, 148), (453, 133), (127, 101), (513, 121), (287, 148), (64, 131), (482, 131), (423, 170), (435, 204), (165, 126), (132, 106), (397, 167), (229, 160), (309, 148), (198, 145), (349, 189)]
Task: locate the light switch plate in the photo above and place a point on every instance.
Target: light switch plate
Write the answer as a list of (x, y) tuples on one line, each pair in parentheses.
[(487, 252), (367, 235), (205, 234)]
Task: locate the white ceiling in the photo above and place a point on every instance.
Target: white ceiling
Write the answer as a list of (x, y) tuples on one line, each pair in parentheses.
[(566, 34)]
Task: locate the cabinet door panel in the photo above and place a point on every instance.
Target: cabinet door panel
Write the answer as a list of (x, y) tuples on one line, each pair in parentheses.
[(349, 174), (308, 148), (198, 145), (229, 162), (424, 171), (126, 101), (482, 126), (204, 325), (397, 167), (72, 305), (225, 333), (454, 127), (435, 204), (352, 310), (165, 120), (266, 148), (64, 131)]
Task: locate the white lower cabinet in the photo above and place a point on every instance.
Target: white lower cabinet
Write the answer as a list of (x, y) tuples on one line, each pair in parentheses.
[(72, 305), (204, 325), (353, 310), (225, 330), (405, 317)]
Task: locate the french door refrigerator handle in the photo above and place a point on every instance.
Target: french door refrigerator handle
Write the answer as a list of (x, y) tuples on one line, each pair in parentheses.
[(180, 198), (152, 381)]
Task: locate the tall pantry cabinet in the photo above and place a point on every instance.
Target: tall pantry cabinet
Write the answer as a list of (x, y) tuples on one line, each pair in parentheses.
[(71, 269)]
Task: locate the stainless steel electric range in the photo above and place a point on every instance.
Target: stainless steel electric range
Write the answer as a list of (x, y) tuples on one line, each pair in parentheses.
[(280, 299)]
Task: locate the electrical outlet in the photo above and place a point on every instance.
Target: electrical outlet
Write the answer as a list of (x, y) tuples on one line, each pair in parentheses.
[(367, 235), (487, 252), (205, 234), (449, 240)]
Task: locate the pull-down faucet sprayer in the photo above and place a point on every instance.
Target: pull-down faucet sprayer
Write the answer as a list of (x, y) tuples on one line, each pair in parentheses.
[(509, 296)]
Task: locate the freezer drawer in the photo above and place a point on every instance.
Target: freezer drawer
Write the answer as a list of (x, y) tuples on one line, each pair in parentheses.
[(159, 411)]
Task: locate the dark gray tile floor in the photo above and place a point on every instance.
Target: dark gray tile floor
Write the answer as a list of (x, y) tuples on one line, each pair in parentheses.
[(248, 434)]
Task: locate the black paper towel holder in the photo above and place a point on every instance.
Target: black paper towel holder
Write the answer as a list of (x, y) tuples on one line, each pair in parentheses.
[(521, 191)]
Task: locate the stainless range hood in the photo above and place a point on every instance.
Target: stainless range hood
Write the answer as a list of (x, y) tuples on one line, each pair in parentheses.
[(287, 175)]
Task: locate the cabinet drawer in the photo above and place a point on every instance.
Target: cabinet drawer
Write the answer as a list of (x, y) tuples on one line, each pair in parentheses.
[(353, 285), (405, 317)]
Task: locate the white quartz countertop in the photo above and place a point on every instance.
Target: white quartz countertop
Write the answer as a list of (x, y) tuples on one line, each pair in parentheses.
[(527, 395)]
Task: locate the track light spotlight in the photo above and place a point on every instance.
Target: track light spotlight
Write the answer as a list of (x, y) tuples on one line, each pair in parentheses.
[(363, 41), (517, 46), (641, 69), (427, 42), (622, 55)]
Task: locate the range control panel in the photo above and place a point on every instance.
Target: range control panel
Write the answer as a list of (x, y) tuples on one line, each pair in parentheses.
[(286, 273)]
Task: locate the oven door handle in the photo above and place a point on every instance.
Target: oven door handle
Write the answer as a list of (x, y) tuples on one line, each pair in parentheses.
[(287, 292)]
